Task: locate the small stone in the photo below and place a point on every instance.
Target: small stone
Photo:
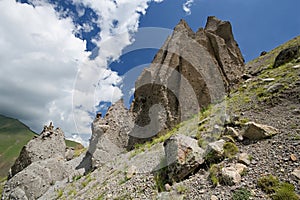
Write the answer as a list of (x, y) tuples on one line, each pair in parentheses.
[(296, 173), (240, 168), (275, 87), (282, 170), (214, 197), (293, 157), (268, 79), (168, 187), (232, 132), (296, 67), (244, 158), (131, 172)]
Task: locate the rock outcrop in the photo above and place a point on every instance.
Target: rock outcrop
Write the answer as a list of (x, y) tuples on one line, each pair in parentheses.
[(41, 163), (187, 76), (50, 144), (183, 156), (110, 135), (189, 72)]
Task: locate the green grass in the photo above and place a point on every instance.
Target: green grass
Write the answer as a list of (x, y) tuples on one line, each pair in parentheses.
[(268, 184), (230, 149), (241, 194), (277, 190)]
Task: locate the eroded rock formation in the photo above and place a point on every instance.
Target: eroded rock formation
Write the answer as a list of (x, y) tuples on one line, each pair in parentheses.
[(50, 144), (188, 73)]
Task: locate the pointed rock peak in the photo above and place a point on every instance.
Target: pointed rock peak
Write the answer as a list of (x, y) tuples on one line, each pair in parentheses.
[(118, 105), (220, 28), (213, 23), (183, 26)]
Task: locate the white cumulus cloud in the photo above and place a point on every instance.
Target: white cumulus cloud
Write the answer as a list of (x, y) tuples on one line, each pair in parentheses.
[(187, 6), (46, 74), (39, 60)]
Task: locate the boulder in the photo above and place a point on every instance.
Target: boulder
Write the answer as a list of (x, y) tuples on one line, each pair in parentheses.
[(49, 144), (33, 181), (230, 176), (254, 131), (183, 156), (214, 151), (286, 55), (69, 153)]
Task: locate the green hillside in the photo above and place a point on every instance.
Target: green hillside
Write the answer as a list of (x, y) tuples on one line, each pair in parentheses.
[(13, 136)]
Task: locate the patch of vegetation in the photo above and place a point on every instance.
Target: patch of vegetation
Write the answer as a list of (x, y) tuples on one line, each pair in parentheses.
[(87, 180), (241, 194), (101, 197), (181, 189), (161, 176), (76, 178), (278, 190), (60, 193), (230, 149), (268, 184), (285, 191), (214, 174), (72, 192), (2, 182), (139, 148)]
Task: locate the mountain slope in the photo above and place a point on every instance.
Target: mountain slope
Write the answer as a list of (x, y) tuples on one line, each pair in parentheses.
[(129, 176)]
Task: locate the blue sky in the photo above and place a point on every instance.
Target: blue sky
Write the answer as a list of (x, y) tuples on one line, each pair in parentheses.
[(62, 61)]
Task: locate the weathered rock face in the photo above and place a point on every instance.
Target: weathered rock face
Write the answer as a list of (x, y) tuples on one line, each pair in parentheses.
[(110, 135), (50, 144), (35, 180), (189, 72), (183, 156)]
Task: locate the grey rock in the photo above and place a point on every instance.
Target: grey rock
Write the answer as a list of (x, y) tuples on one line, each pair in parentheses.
[(275, 87), (69, 154), (254, 131), (244, 159), (230, 176), (214, 197), (287, 55), (110, 135), (50, 144), (296, 173), (169, 196), (183, 156), (202, 68), (231, 132), (33, 181), (214, 151)]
